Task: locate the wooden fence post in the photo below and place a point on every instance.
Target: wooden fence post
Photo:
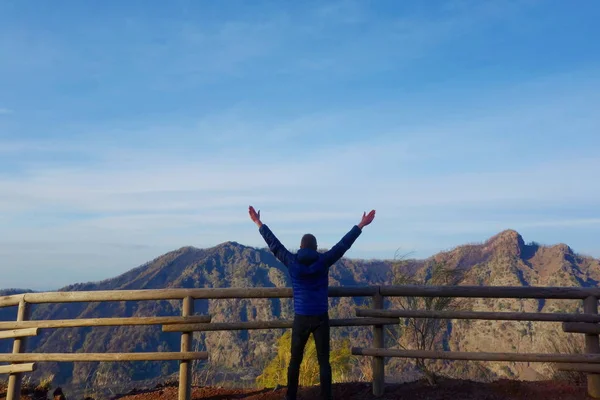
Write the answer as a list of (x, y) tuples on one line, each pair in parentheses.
[(592, 346), (13, 391), (185, 389), (378, 342)]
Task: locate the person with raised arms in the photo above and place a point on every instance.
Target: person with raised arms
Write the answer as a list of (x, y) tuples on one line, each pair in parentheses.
[(309, 270)]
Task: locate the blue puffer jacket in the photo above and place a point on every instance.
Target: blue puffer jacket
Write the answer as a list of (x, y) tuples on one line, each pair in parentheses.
[(309, 270)]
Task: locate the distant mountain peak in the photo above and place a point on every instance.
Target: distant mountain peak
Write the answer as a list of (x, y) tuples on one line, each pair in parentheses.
[(507, 235), (231, 243), (185, 249), (224, 245), (509, 241), (230, 246), (563, 248)]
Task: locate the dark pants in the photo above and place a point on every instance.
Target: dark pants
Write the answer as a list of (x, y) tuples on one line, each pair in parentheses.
[(303, 326)]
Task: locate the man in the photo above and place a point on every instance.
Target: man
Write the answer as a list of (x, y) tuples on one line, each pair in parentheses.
[(309, 271)]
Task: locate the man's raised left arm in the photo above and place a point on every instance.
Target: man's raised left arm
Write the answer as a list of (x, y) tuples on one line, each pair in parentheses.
[(278, 249)]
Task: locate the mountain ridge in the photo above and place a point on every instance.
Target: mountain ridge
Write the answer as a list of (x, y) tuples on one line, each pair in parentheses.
[(503, 259), (506, 238)]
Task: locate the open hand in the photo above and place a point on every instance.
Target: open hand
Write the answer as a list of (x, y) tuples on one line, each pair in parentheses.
[(254, 216), (367, 219)]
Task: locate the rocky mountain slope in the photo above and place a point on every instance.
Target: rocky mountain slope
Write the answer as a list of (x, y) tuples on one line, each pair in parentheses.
[(505, 260), (502, 260), (227, 265)]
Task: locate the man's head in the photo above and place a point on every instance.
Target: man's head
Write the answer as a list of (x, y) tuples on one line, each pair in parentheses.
[(308, 242), (58, 394)]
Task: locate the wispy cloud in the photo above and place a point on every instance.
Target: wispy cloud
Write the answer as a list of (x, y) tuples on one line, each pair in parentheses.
[(396, 166), (51, 148), (487, 226), (161, 134), (395, 42), (170, 55)]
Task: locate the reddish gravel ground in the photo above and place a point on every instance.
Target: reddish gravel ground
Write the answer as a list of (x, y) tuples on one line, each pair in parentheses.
[(446, 390)]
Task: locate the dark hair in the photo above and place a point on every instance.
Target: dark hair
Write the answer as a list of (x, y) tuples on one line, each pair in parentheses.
[(308, 242), (58, 393)]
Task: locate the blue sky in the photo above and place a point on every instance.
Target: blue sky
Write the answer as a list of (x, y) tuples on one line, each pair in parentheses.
[(129, 129)]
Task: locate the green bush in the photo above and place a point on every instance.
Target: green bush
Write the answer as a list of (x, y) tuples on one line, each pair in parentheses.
[(275, 373)]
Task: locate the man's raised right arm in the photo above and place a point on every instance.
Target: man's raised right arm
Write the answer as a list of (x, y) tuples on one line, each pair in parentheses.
[(338, 251)]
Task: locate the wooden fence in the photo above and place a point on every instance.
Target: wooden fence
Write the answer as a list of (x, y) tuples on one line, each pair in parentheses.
[(377, 317)]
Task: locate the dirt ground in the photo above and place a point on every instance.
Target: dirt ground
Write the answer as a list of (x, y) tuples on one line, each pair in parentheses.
[(445, 390)]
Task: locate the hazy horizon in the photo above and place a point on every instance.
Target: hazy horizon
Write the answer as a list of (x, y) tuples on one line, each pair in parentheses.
[(400, 254)]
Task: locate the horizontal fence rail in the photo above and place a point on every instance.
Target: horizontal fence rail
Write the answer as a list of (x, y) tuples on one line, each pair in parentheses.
[(506, 292), (479, 356), (496, 292), (17, 368), (86, 322), (581, 327), (279, 324), (483, 315), (590, 368), (174, 294), (88, 357), (148, 294), (18, 333)]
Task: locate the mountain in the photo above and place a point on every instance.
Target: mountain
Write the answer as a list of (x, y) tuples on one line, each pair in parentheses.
[(502, 260), (227, 265), (505, 260)]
